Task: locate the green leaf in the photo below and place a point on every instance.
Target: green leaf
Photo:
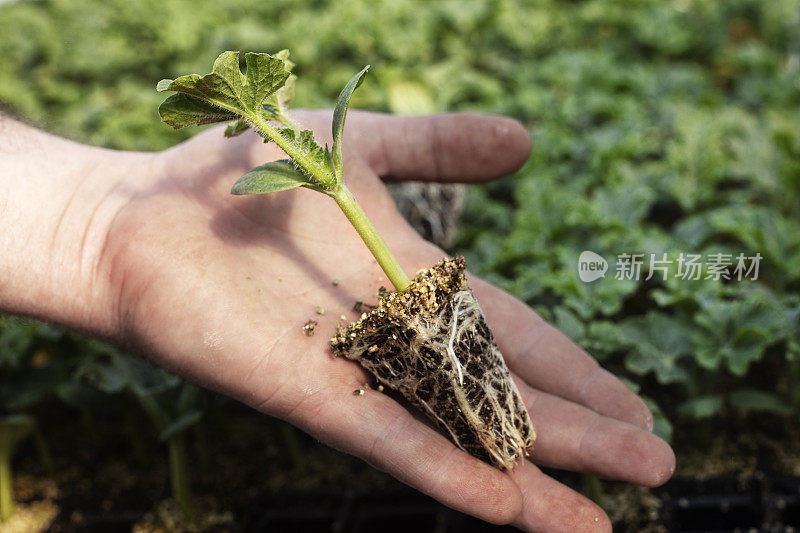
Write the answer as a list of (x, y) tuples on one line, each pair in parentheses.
[(748, 345), (181, 424), (568, 324), (187, 397), (226, 91), (278, 100), (275, 176), (236, 128), (13, 429), (309, 147), (737, 332), (602, 339), (755, 400), (16, 339), (339, 114), (661, 424), (180, 111), (701, 407), (285, 94), (658, 342), (123, 371)]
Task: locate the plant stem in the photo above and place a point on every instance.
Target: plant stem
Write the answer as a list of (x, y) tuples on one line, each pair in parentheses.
[(593, 490), (320, 175), (345, 199), (44, 451), (6, 484), (179, 474), (288, 122), (293, 446), (200, 431), (372, 238)]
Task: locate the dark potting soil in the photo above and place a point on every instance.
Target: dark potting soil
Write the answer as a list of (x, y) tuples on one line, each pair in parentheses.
[(98, 514), (769, 503)]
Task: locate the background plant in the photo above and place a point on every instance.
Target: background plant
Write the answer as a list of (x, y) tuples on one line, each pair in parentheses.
[(36, 363), (171, 405)]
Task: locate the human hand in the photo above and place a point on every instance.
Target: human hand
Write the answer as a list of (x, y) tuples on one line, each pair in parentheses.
[(217, 288)]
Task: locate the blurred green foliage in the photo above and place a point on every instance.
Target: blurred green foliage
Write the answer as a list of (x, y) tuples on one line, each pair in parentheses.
[(657, 127)]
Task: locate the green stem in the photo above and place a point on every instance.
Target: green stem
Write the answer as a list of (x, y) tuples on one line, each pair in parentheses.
[(288, 122), (43, 449), (134, 436), (371, 238), (321, 175), (345, 199), (593, 489), (295, 449), (179, 474), (6, 485), (201, 447)]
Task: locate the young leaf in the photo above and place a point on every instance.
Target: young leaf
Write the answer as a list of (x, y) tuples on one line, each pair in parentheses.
[(658, 343), (278, 100), (14, 428), (308, 146), (272, 177), (701, 406), (182, 423), (661, 424), (285, 94), (236, 128), (227, 89), (756, 400), (339, 114), (180, 111)]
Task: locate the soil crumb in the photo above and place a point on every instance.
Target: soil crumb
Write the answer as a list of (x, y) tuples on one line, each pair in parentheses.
[(308, 327), (31, 518), (167, 518)]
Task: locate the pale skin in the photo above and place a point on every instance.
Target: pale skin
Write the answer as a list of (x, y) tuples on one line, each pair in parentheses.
[(151, 251)]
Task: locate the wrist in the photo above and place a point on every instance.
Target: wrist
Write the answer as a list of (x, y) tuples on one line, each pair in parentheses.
[(57, 202)]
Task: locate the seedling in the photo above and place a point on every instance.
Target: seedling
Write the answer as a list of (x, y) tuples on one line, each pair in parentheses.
[(29, 377), (13, 430), (429, 340), (170, 404)]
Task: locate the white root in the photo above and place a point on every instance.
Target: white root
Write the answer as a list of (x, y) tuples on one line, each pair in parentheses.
[(457, 299)]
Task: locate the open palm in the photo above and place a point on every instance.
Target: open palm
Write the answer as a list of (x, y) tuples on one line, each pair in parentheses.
[(217, 288)]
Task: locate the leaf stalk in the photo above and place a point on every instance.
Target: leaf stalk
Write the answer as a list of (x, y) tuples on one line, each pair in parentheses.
[(346, 202), (6, 484), (322, 177), (179, 476)]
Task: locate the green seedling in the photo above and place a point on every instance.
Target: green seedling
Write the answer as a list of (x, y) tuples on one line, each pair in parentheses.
[(420, 340), (170, 403), (29, 377), (257, 98), (13, 430)]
